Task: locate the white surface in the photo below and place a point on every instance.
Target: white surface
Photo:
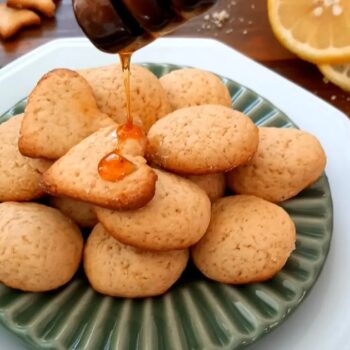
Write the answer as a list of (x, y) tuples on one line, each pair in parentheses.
[(323, 320)]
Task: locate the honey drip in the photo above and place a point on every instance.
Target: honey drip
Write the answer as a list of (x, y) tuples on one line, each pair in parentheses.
[(125, 58), (114, 166)]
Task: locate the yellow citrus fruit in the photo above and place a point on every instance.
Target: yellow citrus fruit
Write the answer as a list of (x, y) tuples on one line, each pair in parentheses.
[(316, 30), (338, 74)]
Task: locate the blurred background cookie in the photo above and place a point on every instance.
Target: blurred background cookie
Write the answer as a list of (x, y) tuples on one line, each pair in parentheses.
[(80, 212), (286, 162), (176, 217), (202, 140), (40, 248), (213, 184), (76, 175), (61, 111), (248, 240), (149, 100), (46, 7), (20, 175), (193, 87), (12, 20), (119, 270)]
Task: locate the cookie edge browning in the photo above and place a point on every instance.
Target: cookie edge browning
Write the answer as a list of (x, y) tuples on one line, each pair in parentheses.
[(99, 290), (208, 74), (45, 10), (24, 145), (151, 151), (75, 228), (8, 33), (38, 193), (123, 203), (263, 277), (134, 243), (237, 188)]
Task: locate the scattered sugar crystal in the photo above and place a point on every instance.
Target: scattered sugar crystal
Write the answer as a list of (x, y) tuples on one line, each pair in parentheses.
[(219, 18), (325, 80), (337, 10), (317, 11), (333, 97), (245, 32)]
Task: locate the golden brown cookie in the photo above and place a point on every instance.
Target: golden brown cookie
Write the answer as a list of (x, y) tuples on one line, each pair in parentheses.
[(213, 184), (75, 175), (118, 270), (61, 111), (248, 240), (20, 176), (12, 20), (193, 87), (46, 7), (40, 248), (202, 140), (176, 217), (149, 100), (83, 214), (286, 162)]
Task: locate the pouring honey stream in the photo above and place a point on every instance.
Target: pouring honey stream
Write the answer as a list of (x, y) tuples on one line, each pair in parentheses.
[(114, 166)]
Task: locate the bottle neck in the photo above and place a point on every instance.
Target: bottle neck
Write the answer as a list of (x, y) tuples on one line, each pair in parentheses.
[(126, 25)]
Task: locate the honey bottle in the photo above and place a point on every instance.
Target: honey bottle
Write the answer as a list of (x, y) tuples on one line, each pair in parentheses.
[(126, 25)]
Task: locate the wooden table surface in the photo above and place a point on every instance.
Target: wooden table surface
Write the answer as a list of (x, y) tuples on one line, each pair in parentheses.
[(247, 30)]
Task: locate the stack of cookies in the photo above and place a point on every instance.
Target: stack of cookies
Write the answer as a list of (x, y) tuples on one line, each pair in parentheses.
[(175, 204), (18, 14)]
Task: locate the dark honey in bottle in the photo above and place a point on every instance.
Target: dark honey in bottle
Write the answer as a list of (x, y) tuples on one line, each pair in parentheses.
[(126, 25)]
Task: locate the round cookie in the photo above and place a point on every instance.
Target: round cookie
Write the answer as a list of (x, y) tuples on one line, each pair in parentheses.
[(286, 162), (248, 240), (20, 175), (83, 214), (212, 184), (176, 218), (202, 140), (40, 248), (119, 270), (193, 87), (149, 100)]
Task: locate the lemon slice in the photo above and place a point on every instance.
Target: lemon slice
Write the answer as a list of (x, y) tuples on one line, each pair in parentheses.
[(338, 74), (316, 30)]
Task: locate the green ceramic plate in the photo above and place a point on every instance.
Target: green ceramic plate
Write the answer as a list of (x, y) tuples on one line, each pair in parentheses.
[(196, 313)]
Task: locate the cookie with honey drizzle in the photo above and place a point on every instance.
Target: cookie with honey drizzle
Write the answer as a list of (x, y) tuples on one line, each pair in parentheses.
[(78, 175), (149, 100), (61, 111)]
